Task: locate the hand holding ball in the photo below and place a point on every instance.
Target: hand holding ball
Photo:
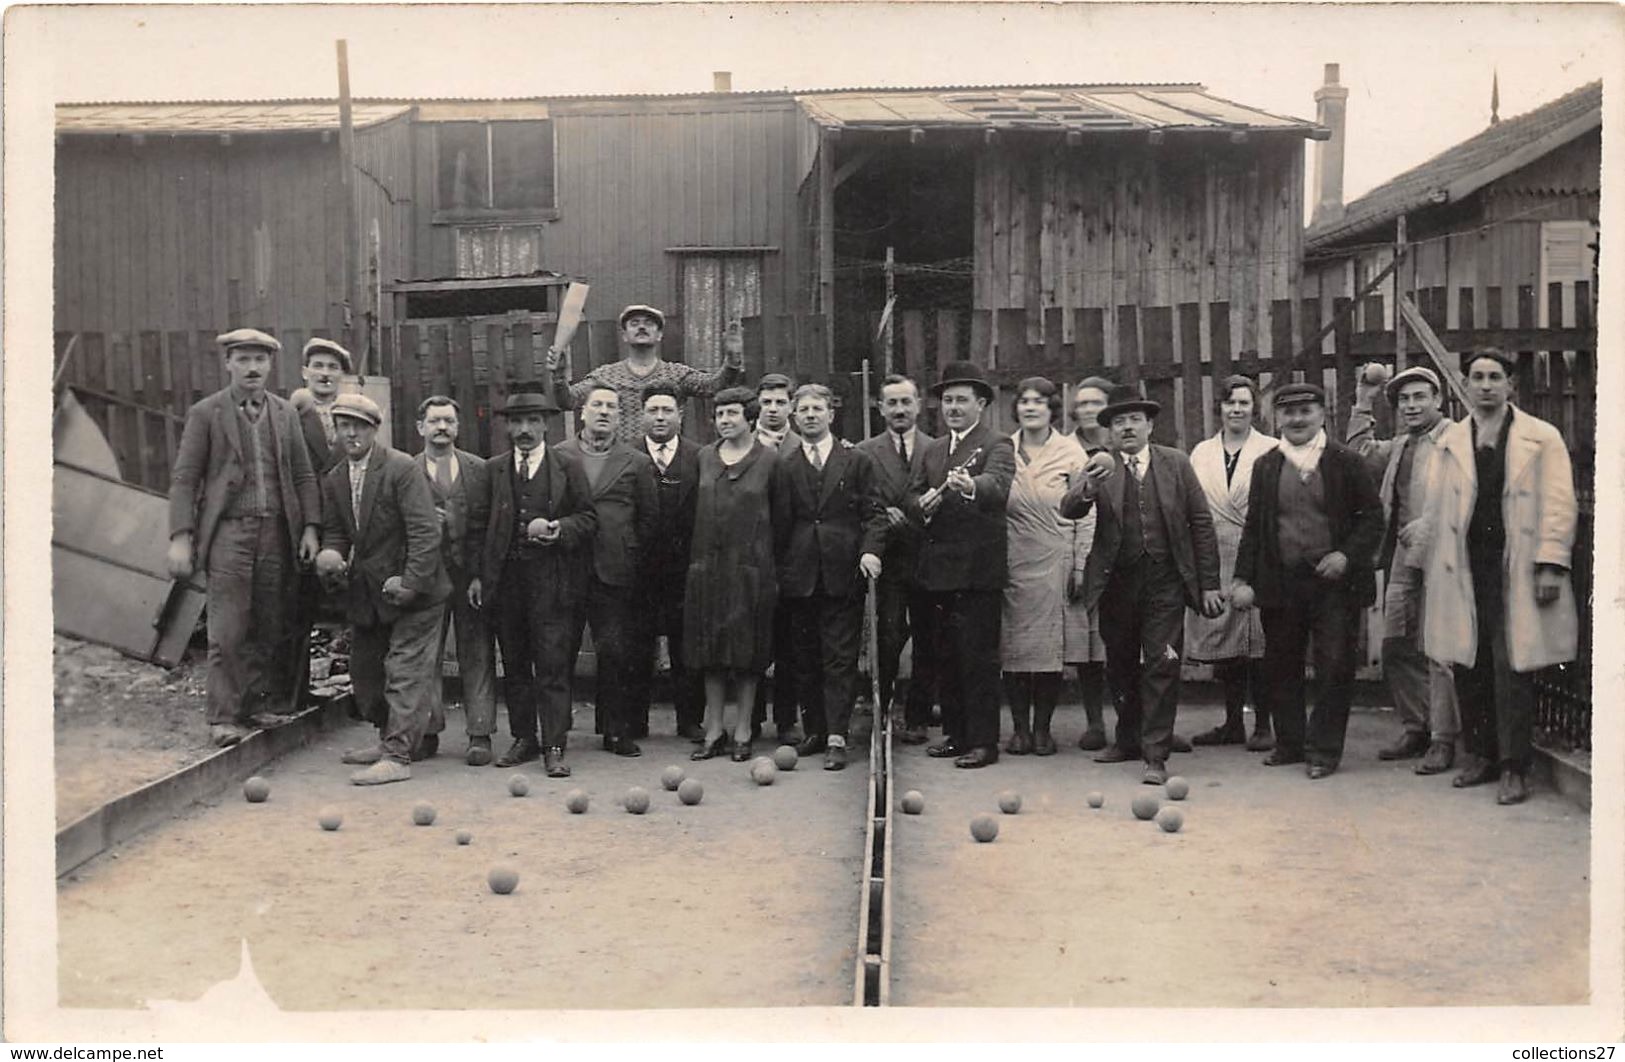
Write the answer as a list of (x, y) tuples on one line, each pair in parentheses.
[(1242, 597), (329, 563)]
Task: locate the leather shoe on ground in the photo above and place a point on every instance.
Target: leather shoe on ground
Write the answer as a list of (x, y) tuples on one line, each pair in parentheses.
[(427, 748), (981, 756), (553, 763), (1263, 740), (523, 750), (1221, 735), (1477, 772), (1514, 788), (835, 758), (479, 752), (1093, 740), (1044, 745), (224, 735), (1282, 758), (1440, 758), (1317, 771), (382, 773), (1116, 754), (741, 751), (944, 750), (913, 735), (362, 756), (624, 746), (1178, 744), (1155, 774), (1409, 746), (1019, 745), (812, 746), (791, 738)]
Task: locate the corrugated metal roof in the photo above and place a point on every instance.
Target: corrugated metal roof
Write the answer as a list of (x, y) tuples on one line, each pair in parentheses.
[(196, 118), (1058, 107), (1463, 169)]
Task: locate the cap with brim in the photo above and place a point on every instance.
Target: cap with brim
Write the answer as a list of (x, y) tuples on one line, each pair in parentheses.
[(327, 346), (647, 311), (358, 407), (1293, 394), (963, 373), (528, 402), (1126, 398), (247, 337), (1411, 375)]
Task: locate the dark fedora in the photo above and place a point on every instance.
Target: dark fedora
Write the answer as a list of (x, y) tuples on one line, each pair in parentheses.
[(1126, 398), (964, 372), (528, 402)]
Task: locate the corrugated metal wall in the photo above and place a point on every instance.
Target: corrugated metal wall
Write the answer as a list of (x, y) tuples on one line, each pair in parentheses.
[(383, 195)]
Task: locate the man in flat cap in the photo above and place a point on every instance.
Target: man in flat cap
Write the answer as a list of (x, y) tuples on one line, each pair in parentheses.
[(773, 427), (1424, 692), (1314, 523), (533, 576), (325, 364), (1154, 552), (1500, 599), (241, 496), (381, 535), (641, 329)]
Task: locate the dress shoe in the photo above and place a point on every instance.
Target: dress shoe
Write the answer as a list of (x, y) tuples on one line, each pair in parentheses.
[(913, 735), (1282, 758), (382, 773), (790, 737), (427, 747), (1093, 740), (1263, 740), (709, 749), (812, 745), (1116, 754), (1226, 734), (479, 752), (1178, 744), (1155, 774), (226, 734), (980, 756), (624, 746), (553, 763), (1318, 771), (523, 750), (364, 755), (944, 750), (1478, 771), (1044, 744), (741, 751), (835, 758), (1409, 746), (1020, 744), (1514, 788), (1440, 758)]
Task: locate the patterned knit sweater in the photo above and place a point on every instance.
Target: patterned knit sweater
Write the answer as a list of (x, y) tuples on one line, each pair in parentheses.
[(686, 380)]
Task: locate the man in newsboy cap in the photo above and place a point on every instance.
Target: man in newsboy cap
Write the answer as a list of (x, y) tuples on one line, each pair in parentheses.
[(241, 496)]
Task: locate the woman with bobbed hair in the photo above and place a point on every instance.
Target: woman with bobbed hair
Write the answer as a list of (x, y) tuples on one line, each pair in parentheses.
[(732, 583)]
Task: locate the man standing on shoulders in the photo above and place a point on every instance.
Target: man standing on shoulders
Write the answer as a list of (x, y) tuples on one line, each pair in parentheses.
[(241, 496), (1424, 692), (1500, 601), (1314, 523), (836, 531), (461, 487), (957, 501), (533, 574), (381, 533), (896, 454), (665, 563), (623, 496), (773, 427), (1154, 553), (326, 363)]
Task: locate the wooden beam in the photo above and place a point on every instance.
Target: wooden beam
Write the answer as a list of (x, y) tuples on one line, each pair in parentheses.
[(852, 165), (1406, 309), (826, 237), (418, 287), (1348, 309)]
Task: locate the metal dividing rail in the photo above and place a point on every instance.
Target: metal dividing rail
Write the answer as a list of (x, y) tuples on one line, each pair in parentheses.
[(872, 983)]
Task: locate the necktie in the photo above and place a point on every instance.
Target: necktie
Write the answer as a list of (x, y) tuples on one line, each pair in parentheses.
[(662, 459), (524, 466), (902, 450), (816, 455), (358, 476), (1133, 462)]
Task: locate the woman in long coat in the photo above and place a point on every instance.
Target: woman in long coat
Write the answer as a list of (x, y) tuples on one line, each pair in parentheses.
[(732, 583), (1039, 555), (1234, 641)]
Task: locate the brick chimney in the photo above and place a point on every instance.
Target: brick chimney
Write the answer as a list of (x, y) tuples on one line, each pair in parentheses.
[(722, 81), (1331, 106)]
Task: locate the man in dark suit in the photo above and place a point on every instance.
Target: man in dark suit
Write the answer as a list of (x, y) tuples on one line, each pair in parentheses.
[(665, 564), (381, 535), (1314, 524), (623, 495), (325, 364), (461, 487), (1154, 553), (957, 501), (775, 429), (897, 454), (834, 533), (241, 495), (537, 558)]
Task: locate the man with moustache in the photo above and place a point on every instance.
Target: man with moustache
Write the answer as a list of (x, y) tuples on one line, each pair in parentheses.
[(896, 454), (241, 495), (1154, 553), (623, 497), (533, 575), (773, 427)]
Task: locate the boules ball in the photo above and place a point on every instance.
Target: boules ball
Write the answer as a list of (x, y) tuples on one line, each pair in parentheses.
[(1375, 372), (784, 758), (330, 818), (256, 790), (1145, 806), (637, 800), (1170, 819), (465, 837), (691, 792), (1178, 788), (913, 802), (423, 813), (392, 586), (1096, 799), (1009, 801), (537, 527), (329, 562), (763, 772), (984, 828), (518, 785), (672, 777), (502, 880), (576, 801)]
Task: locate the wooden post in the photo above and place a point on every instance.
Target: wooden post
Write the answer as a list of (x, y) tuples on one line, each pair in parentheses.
[(1399, 293), (891, 304), (348, 263), (826, 241)]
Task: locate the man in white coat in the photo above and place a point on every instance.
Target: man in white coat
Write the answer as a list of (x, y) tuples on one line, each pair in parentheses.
[(1499, 600)]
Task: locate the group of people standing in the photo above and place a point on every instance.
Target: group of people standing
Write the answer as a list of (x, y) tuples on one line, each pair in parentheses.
[(1004, 558)]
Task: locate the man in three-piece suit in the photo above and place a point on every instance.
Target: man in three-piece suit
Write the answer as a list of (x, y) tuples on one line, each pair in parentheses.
[(665, 564), (533, 573), (957, 500), (897, 454), (1314, 525), (381, 535), (834, 533), (623, 496), (241, 496), (460, 485), (1154, 553)]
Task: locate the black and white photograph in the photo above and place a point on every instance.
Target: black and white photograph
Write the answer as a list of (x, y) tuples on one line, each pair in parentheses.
[(798, 522)]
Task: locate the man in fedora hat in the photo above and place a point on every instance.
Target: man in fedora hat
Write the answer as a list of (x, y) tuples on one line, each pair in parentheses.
[(1314, 523), (537, 558), (1424, 692), (241, 496), (381, 532), (1154, 552), (641, 330), (957, 499)]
